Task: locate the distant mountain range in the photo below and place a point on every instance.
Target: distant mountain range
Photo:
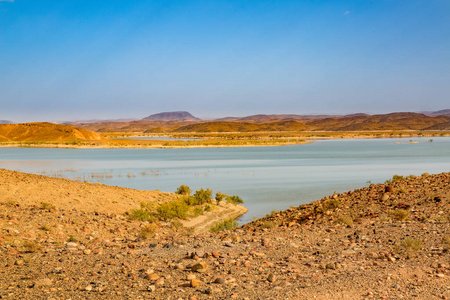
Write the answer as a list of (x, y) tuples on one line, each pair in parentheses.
[(443, 112), (5, 122), (182, 121), (182, 116)]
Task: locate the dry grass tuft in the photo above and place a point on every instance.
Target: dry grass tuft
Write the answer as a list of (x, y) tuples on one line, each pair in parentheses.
[(46, 206), (399, 214), (345, 220), (409, 247), (31, 246), (148, 231)]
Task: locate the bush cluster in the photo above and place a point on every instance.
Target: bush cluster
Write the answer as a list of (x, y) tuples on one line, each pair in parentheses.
[(181, 208)]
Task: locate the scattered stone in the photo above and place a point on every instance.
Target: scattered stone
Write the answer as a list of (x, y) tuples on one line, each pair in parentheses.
[(43, 282), (195, 282), (152, 277), (88, 288), (199, 267), (19, 262), (159, 281), (220, 280), (71, 246), (228, 244)]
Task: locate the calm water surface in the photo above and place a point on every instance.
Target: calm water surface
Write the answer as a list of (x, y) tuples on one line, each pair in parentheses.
[(267, 178)]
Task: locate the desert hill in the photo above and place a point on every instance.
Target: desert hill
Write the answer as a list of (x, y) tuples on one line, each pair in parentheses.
[(134, 126), (392, 121), (45, 132), (262, 118), (172, 116), (242, 127)]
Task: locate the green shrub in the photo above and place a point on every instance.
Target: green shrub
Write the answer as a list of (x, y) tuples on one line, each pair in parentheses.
[(139, 214), (198, 211), (394, 179), (224, 225), (203, 196), (183, 190), (208, 208), (234, 199), (173, 209), (220, 197)]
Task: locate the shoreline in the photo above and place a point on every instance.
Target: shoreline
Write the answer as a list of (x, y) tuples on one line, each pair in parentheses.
[(308, 140)]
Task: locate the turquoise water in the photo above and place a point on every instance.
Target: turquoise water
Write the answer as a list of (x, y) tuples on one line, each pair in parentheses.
[(267, 178)]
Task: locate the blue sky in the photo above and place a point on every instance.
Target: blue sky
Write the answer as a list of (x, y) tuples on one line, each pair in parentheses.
[(84, 59)]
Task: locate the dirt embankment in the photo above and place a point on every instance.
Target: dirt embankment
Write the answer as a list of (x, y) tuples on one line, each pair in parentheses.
[(386, 241)]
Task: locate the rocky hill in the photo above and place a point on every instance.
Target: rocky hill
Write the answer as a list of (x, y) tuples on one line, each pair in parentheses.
[(172, 116)]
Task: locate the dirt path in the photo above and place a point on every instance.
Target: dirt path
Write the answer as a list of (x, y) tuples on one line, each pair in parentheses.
[(223, 211)]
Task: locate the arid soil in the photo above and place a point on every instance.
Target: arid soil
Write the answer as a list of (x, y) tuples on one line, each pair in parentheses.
[(28, 190), (386, 241)]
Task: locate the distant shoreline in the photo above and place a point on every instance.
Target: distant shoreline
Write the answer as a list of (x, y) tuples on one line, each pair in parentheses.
[(216, 143)]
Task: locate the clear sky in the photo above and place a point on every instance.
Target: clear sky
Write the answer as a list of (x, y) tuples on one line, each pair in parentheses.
[(85, 59)]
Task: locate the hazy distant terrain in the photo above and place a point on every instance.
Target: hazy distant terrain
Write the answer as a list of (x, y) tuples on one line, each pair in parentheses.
[(185, 122), (172, 116), (244, 131)]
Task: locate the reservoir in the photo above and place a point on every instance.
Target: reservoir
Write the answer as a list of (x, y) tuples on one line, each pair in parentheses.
[(266, 178)]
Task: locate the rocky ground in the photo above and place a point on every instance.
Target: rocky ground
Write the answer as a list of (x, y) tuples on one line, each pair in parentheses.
[(386, 241)]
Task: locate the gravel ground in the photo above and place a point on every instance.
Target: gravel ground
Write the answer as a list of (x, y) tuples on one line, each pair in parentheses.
[(386, 241)]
